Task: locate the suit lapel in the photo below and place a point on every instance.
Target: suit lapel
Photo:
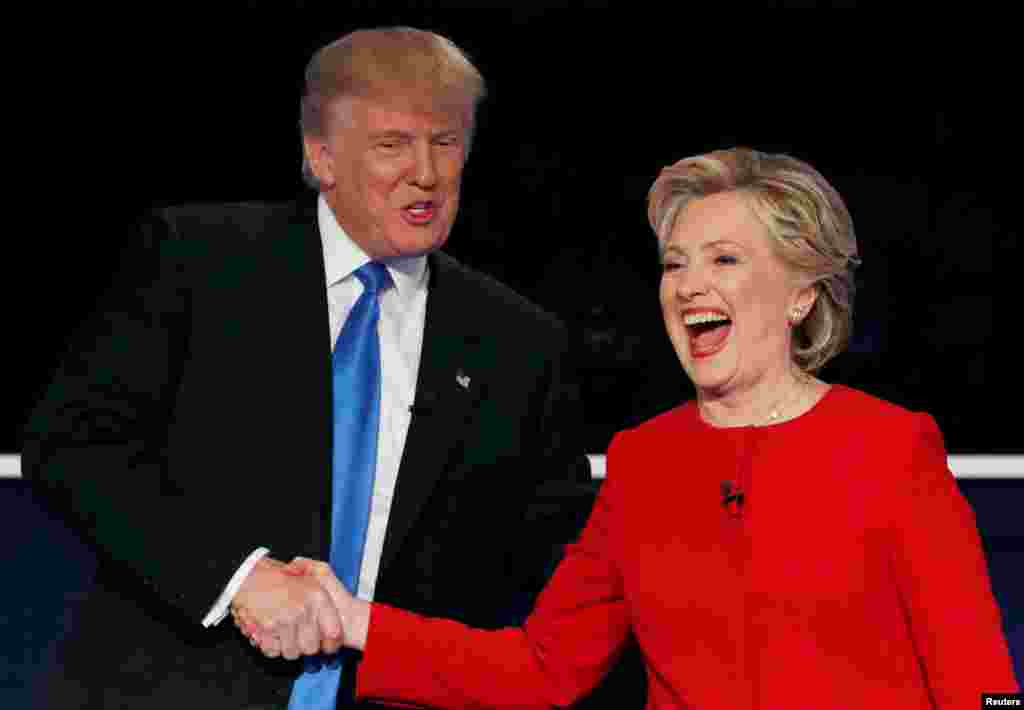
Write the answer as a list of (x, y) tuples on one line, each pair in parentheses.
[(447, 390), (302, 345)]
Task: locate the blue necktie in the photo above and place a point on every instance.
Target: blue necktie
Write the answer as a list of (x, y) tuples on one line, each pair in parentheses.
[(356, 392)]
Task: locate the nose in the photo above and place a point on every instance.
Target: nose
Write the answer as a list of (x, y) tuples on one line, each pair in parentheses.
[(424, 173), (690, 283)]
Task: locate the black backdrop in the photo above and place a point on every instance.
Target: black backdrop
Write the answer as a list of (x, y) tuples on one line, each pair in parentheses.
[(584, 108)]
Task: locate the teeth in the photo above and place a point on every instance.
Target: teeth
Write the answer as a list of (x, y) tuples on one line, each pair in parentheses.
[(698, 318), (419, 208)]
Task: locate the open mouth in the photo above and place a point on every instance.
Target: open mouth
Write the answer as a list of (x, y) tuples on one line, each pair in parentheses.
[(420, 212), (708, 331)]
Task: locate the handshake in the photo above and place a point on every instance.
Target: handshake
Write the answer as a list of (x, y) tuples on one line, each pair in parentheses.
[(298, 609)]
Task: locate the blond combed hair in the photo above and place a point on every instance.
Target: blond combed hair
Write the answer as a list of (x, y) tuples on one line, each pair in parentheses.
[(418, 66), (809, 225)]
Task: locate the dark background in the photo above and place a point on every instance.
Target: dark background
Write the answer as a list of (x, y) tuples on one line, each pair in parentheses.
[(584, 109)]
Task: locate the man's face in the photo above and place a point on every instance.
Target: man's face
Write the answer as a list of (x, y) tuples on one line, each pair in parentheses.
[(391, 173)]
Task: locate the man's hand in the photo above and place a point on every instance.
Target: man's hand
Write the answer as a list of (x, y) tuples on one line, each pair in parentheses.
[(286, 613), (355, 613)]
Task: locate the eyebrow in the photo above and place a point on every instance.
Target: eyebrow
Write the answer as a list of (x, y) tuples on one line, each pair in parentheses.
[(721, 242), (406, 135), (449, 133), (670, 247), (666, 248)]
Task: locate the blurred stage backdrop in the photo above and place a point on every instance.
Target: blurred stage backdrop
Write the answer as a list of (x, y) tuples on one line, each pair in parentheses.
[(584, 108)]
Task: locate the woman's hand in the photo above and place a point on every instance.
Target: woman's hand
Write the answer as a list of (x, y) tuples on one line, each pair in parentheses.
[(286, 613), (354, 613)]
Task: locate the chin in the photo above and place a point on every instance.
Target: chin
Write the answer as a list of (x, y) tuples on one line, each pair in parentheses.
[(418, 242), (711, 373)]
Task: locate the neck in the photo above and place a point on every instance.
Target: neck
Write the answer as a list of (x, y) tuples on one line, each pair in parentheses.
[(769, 402)]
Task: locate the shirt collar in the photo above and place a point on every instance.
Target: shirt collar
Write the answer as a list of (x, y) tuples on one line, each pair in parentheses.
[(342, 256)]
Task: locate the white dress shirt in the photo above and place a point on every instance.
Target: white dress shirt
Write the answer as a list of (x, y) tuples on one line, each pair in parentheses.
[(403, 309)]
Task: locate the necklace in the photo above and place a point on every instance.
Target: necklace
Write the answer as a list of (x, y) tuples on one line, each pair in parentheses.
[(782, 405)]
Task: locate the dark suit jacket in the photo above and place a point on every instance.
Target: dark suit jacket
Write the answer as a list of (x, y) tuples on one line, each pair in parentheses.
[(191, 422)]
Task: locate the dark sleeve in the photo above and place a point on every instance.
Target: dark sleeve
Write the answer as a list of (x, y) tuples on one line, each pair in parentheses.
[(560, 451), (562, 493), (568, 643), (561, 420), (943, 578), (96, 442)]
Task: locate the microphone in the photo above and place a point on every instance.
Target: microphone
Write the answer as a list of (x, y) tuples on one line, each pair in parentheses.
[(732, 498)]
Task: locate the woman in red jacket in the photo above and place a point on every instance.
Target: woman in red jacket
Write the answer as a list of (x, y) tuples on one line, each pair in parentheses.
[(779, 542)]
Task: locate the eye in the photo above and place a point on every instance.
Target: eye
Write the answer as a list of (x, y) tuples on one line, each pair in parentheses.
[(726, 259), (667, 266), (390, 144), (447, 140)]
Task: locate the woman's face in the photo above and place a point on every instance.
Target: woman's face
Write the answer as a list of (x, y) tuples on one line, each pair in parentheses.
[(726, 296)]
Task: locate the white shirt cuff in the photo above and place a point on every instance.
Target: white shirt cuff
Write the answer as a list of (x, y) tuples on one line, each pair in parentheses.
[(220, 609)]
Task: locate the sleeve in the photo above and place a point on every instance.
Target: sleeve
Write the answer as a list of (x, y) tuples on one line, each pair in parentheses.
[(562, 494), (943, 580), (571, 639), (96, 443), (546, 492), (219, 610)]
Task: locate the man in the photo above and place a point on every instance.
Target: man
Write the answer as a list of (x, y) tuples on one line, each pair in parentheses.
[(195, 428)]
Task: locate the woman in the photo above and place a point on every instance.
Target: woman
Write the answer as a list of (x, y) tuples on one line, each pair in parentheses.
[(779, 542)]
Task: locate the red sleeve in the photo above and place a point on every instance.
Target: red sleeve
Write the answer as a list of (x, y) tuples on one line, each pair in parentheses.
[(943, 580), (568, 643)]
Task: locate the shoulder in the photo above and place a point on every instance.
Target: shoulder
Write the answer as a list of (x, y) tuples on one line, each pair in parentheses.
[(203, 221), (879, 435), (640, 459), (859, 401), (224, 235), (651, 437), (857, 410), (487, 302)]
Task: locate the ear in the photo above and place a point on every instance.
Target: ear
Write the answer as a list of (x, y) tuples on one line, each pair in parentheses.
[(318, 155), (802, 302)]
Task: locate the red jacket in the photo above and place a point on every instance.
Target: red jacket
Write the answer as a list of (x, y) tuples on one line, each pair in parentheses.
[(851, 577)]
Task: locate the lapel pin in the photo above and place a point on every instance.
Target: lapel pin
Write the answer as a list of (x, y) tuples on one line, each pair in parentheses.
[(463, 379)]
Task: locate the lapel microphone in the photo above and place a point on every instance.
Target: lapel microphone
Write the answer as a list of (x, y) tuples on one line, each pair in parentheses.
[(732, 498)]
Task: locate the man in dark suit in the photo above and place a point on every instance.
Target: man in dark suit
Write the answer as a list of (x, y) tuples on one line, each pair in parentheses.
[(189, 431)]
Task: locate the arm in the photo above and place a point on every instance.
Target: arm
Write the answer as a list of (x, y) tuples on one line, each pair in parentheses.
[(97, 444), (943, 579), (562, 492), (568, 643)]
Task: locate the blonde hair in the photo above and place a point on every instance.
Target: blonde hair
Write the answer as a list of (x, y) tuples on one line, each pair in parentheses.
[(416, 65), (811, 231)]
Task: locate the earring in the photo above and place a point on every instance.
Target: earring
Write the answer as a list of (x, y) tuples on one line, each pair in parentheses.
[(795, 316)]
